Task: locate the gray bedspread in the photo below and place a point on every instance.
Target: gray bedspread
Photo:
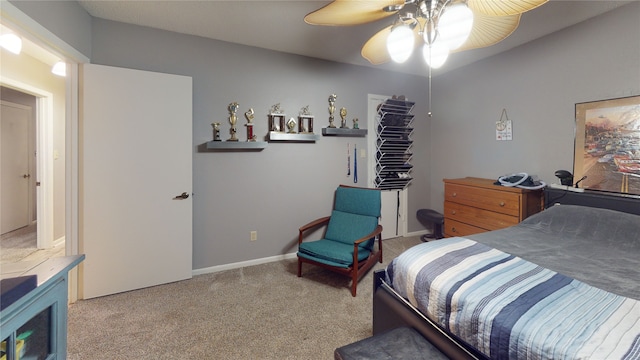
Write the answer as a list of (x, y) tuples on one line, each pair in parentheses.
[(597, 246)]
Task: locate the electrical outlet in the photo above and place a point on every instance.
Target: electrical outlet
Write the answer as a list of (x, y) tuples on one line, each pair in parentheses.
[(254, 235)]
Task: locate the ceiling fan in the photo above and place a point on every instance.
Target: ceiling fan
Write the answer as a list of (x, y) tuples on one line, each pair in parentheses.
[(443, 26)]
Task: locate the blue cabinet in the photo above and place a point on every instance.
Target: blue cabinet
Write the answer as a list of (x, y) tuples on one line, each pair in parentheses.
[(35, 325)]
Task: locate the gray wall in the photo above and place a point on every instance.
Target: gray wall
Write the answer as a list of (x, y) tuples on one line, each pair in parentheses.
[(277, 190), (285, 185), (538, 84)]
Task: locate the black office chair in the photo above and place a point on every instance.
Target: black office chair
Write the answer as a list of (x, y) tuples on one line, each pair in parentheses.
[(431, 219)]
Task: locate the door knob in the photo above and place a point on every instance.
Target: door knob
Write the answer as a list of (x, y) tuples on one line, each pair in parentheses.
[(182, 196), (26, 176)]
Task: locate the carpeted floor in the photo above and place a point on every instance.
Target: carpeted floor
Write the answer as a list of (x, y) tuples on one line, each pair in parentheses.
[(18, 244), (21, 245), (258, 312)]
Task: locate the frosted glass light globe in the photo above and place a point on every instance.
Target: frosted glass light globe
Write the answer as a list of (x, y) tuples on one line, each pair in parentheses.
[(435, 54), (400, 43), (455, 25)]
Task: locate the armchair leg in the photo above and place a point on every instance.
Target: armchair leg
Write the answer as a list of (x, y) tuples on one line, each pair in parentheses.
[(354, 282), (299, 268)]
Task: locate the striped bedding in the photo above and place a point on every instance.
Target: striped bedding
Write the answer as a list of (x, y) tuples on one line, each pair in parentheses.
[(509, 308)]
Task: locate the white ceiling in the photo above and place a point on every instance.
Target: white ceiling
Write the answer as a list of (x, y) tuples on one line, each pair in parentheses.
[(278, 25)]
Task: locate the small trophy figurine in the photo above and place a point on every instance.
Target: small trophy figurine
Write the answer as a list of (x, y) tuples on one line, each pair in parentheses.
[(216, 131), (291, 125), (233, 118), (332, 108), (249, 116), (343, 117), (355, 123)]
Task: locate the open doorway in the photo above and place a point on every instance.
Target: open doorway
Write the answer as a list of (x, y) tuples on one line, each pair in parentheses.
[(32, 185)]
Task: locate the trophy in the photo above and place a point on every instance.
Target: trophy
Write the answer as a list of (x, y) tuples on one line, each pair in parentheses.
[(355, 123), (249, 116), (276, 118), (332, 108), (216, 131), (343, 117), (303, 115), (233, 118)]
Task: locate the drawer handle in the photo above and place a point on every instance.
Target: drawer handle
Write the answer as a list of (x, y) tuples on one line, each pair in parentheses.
[(453, 212), (454, 194), (501, 203), (453, 229)]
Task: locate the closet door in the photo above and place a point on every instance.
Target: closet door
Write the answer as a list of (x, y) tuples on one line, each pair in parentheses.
[(14, 150), (135, 164)]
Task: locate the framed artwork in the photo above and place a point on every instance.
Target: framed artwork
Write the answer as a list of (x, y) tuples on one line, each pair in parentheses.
[(607, 145)]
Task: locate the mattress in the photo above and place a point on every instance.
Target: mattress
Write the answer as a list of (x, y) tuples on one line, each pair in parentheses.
[(597, 246), (509, 308)]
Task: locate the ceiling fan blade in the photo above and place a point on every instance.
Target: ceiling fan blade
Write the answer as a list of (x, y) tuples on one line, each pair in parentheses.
[(351, 12), (375, 49), (489, 30), (503, 7)]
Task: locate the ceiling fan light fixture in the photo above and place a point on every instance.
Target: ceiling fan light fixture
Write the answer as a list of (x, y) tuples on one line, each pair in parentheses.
[(11, 42), (435, 54), (455, 25), (400, 42)]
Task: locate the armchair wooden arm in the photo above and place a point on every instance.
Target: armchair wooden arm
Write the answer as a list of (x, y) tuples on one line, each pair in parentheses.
[(315, 223), (377, 233)]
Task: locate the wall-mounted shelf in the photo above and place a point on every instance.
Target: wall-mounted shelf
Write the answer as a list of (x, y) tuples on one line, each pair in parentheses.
[(281, 136), (236, 145), (393, 154), (343, 132)]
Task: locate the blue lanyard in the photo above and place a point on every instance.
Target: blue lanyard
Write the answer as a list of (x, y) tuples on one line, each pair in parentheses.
[(348, 161), (355, 164)]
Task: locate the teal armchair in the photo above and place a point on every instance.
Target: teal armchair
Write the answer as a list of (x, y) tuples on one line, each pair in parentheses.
[(349, 243)]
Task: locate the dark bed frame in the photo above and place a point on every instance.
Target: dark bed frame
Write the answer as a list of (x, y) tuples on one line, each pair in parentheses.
[(392, 311)]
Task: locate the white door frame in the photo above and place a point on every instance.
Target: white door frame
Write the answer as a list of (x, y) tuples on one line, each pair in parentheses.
[(44, 158), (26, 26), (371, 161)]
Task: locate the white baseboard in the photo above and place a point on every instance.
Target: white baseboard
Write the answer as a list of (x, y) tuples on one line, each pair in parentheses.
[(242, 264), (417, 233), (58, 241)]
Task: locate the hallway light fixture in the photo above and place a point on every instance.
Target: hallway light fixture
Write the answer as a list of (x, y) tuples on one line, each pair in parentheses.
[(60, 68), (11, 42)]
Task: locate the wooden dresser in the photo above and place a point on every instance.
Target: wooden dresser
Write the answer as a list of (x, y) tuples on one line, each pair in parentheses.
[(474, 205)]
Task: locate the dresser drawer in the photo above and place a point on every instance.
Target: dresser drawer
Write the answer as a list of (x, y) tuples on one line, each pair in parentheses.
[(485, 219), (489, 199), (456, 228)]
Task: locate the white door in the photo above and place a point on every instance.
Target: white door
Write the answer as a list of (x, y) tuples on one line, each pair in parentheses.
[(14, 184), (135, 161), (393, 220)]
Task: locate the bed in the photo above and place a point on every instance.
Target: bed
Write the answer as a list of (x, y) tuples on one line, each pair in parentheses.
[(562, 284)]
